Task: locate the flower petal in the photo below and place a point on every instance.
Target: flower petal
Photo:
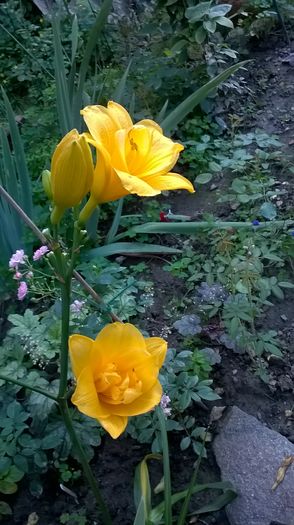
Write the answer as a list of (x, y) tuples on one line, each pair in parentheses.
[(135, 185), (100, 124), (85, 396), (170, 181), (149, 123), (157, 347), (119, 115), (80, 348), (114, 425), (142, 404), (120, 343)]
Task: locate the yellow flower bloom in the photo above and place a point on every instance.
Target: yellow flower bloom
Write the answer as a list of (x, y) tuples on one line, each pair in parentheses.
[(117, 374), (130, 158), (71, 173)]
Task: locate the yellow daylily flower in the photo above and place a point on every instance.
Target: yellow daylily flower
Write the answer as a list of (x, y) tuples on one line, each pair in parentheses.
[(131, 158), (117, 374), (71, 173)]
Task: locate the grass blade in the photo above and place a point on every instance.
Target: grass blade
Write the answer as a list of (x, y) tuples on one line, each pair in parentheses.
[(116, 222), (166, 468), (25, 194), (131, 248), (190, 228), (182, 110), (94, 34), (62, 92), (120, 88)]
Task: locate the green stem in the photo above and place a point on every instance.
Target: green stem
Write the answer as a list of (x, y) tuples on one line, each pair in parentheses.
[(185, 506), (166, 468), (65, 304), (106, 518), (30, 387)]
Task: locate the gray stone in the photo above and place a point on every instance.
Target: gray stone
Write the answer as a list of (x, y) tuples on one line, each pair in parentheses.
[(249, 455)]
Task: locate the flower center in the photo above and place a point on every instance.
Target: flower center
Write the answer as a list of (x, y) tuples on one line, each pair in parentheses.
[(116, 387)]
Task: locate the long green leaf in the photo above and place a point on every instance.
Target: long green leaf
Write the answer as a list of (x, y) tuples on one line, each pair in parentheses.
[(166, 468), (225, 486), (25, 187), (8, 176), (182, 110), (140, 518), (190, 228), (64, 104), (116, 222), (120, 88), (94, 34), (131, 248)]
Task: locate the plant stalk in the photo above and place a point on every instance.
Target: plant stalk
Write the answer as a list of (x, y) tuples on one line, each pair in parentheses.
[(166, 468), (105, 516), (30, 387)]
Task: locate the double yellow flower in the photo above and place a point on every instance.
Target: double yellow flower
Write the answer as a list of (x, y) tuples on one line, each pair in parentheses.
[(130, 158), (117, 374)]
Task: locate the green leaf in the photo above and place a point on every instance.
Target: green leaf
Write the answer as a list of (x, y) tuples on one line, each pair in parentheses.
[(115, 223), (209, 25), (219, 10), (226, 22), (129, 247), (93, 38), (74, 38), (196, 13), (140, 518), (203, 178), (268, 210), (7, 488), (25, 195), (182, 110), (120, 88), (185, 443), (5, 509), (285, 284), (200, 35)]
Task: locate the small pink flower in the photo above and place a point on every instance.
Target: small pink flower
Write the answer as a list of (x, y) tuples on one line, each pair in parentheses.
[(17, 275), (22, 290), (40, 252), (77, 306), (165, 401), (17, 258)]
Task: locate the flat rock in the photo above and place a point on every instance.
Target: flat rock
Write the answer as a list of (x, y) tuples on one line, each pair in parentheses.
[(249, 455)]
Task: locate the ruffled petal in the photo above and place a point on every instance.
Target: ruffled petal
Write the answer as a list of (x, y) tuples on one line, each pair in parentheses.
[(80, 348), (157, 347), (85, 396), (114, 425), (142, 404), (121, 343)]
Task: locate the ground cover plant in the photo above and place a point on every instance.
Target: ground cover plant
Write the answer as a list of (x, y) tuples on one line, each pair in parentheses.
[(102, 278)]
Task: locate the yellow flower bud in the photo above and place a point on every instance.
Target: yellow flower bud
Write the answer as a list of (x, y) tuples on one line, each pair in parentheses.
[(71, 173), (46, 181)]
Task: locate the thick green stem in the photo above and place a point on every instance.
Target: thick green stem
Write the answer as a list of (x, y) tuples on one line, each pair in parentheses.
[(30, 387), (65, 302), (166, 468), (106, 518)]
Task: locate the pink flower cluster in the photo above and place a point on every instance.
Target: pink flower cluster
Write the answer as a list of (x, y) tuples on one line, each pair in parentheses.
[(40, 253), (20, 258)]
